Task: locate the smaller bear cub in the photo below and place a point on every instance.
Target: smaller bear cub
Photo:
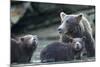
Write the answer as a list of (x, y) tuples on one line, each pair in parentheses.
[(78, 45), (58, 51)]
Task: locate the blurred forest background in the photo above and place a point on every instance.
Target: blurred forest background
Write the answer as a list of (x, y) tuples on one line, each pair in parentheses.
[(43, 19)]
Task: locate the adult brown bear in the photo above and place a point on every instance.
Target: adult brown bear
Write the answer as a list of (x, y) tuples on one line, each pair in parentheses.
[(22, 48), (77, 26)]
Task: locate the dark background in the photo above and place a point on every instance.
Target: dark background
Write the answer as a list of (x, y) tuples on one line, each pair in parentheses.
[(38, 15)]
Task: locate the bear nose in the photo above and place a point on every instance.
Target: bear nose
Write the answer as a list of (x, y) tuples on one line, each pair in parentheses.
[(78, 46), (60, 30)]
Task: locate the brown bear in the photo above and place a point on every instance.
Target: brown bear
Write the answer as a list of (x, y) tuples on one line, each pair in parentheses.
[(22, 48), (58, 51), (77, 26)]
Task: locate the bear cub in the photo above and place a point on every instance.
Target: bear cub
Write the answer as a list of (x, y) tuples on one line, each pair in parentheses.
[(22, 48), (58, 51)]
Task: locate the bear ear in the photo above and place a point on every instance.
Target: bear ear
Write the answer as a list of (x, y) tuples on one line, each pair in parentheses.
[(70, 40), (62, 15), (22, 39), (83, 38), (79, 17)]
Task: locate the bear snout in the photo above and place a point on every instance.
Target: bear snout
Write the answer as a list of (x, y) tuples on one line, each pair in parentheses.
[(60, 30), (78, 46)]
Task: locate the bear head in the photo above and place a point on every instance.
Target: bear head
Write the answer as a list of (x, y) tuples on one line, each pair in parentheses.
[(77, 43), (29, 40), (69, 23)]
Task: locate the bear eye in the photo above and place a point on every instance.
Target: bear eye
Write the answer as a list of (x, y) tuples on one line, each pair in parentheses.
[(34, 39), (67, 21), (22, 39)]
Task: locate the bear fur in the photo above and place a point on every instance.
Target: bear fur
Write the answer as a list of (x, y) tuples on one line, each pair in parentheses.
[(77, 26), (22, 48), (78, 46), (58, 51)]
